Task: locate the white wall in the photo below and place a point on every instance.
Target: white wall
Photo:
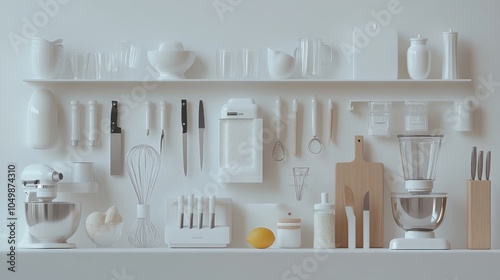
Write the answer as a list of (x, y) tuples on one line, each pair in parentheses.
[(101, 25)]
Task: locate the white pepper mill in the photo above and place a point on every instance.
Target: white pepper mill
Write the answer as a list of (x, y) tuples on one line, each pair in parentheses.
[(418, 58), (450, 66)]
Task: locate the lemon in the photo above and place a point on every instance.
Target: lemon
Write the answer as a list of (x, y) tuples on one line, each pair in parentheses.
[(260, 238)]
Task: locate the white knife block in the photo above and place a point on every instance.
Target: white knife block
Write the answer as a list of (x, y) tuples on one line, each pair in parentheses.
[(219, 236)]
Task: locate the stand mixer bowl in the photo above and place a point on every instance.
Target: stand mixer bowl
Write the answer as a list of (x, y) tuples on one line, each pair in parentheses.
[(52, 222), (418, 212)]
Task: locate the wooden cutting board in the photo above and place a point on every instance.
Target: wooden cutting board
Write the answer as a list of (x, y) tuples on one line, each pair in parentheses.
[(361, 176)]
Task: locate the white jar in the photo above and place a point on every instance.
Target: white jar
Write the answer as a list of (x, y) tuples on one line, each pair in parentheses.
[(42, 119), (289, 233), (418, 58), (324, 223)]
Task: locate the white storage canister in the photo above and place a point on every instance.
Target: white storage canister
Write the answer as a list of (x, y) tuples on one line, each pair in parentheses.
[(324, 223), (289, 233), (418, 59)]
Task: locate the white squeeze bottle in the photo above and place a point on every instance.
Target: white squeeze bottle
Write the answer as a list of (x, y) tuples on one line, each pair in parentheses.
[(324, 223)]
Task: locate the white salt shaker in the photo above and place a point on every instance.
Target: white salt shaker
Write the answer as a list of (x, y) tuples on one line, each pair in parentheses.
[(418, 58), (289, 233), (324, 223), (450, 66)]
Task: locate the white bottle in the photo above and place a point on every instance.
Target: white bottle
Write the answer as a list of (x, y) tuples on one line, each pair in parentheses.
[(450, 66), (42, 119), (418, 58), (324, 223)]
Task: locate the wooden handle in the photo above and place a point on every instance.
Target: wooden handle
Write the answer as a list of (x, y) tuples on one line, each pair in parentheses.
[(358, 148)]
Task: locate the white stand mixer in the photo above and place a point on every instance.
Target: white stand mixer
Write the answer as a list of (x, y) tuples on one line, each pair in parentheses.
[(419, 212), (50, 223)]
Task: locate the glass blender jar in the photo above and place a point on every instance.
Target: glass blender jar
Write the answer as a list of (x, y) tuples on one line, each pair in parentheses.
[(419, 211)]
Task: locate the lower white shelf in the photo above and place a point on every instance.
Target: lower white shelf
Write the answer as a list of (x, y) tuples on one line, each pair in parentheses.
[(229, 263)]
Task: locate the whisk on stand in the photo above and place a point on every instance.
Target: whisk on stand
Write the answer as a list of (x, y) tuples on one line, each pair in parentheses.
[(143, 164)]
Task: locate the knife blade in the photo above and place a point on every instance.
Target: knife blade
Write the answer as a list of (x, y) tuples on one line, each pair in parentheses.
[(184, 133), (201, 130), (488, 165), (480, 166), (473, 162), (115, 142)]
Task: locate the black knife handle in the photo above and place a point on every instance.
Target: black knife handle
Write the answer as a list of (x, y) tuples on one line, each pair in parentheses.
[(201, 115), (184, 115), (114, 117)]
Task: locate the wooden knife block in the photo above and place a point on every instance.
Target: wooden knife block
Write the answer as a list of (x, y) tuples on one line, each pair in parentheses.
[(479, 214)]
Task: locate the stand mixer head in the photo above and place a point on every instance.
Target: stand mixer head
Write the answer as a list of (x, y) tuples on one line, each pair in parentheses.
[(419, 212)]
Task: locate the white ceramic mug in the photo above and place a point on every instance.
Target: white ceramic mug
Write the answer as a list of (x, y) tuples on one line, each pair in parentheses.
[(83, 172)]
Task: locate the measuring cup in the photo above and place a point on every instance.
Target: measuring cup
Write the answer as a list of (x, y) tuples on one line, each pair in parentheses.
[(310, 57)]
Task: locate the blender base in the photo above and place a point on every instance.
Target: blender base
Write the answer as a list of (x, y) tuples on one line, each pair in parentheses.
[(419, 240)]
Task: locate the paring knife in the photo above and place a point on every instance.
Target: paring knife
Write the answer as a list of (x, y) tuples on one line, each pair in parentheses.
[(201, 130), (115, 142), (351, 217), (200, 211), (473, 162), (184, 133), (211, 211), (163, 122)]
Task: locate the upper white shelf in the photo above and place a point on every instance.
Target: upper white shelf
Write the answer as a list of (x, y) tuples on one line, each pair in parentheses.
[(71, 81)]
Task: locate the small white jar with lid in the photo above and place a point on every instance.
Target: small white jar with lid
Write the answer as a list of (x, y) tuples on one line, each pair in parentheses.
[(324, 223), (418, 58), (289, 233)]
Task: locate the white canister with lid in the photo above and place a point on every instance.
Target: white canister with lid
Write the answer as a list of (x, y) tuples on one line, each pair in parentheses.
[(289, 233), (418, 58), (324, 223)]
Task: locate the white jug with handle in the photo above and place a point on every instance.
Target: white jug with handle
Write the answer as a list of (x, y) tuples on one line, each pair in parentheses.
[(280, 64)]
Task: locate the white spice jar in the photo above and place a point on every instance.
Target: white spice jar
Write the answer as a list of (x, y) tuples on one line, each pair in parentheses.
[(289, 233), (324, 223)]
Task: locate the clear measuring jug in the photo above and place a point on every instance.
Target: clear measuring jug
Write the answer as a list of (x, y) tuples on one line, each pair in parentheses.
[(310, 56)]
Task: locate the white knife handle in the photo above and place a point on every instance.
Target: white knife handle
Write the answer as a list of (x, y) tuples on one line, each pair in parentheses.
[(200, 204), (92, 122), (163, 115), (148, 116), (278, 118), (190, 206), (75, 122), (314, 109)]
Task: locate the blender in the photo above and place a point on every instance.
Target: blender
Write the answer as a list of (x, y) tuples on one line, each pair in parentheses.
[(419, 211)]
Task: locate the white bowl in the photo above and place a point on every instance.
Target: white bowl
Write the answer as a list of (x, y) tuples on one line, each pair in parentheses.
[(104, 235), (171, 64)]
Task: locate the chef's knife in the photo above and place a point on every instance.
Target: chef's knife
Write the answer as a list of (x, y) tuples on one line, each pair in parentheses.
[(201, 130), (115, 142), (184, 133)]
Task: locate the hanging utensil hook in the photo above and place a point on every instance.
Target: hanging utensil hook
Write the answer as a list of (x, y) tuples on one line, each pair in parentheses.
[(314, 145), (278, 149)]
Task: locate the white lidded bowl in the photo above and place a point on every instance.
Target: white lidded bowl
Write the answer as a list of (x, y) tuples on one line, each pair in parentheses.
[(171, 64), (52, 222)]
